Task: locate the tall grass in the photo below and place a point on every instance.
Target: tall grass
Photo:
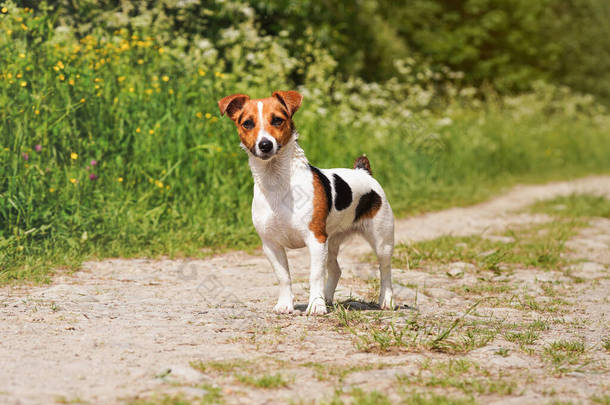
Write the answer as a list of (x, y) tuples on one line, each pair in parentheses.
[(111, 145)]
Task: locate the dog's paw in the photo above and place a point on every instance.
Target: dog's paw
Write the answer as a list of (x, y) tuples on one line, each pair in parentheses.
[(317, 306), (283, 307), (386, 302)]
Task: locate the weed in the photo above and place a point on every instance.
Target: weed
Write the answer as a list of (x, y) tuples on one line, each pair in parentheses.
[(265, 381), (379, 332), (225, 367), (537, 246), (575, 205), (565, 355), (603, 399), (606, 344)]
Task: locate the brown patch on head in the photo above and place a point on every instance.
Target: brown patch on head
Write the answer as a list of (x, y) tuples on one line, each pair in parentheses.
[(368, 206), (277, 120), (322, 202), (276, 117), (239, 108)]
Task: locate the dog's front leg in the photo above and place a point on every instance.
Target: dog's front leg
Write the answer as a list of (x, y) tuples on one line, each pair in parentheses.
[(318, 253), (277, 257)]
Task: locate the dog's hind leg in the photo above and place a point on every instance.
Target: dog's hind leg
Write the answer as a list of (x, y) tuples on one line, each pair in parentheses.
[(332, 266), (379, 232), (277, 257)]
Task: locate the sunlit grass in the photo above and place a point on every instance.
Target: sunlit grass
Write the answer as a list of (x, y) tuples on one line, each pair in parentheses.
[(113, 147)]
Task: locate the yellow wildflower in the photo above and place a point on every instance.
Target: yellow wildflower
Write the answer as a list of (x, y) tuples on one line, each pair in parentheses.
[(152, 131), (171, 91), (140, 61), (165, 78), (148, 91), (73, 180), (159, 184), (218, 74), (19, 76), (23, 84), (82, 100), (120, 179), (138, 130), (131, 89), (73, 156), (22, 55), (208, 115), (51, 190), (71, 82), (214, 119), (4, 10), (37, 112), (201, 72), (62, 77), (199, 115), (121, 78)]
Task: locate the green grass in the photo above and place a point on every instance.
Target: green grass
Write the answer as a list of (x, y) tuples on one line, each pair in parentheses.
[(460, 374), (380, 332), (169, 177), (266, 381), (566, 355), (536, 246), (575, 205)]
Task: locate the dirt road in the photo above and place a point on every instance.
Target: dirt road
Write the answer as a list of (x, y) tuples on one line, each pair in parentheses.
[(120, 331)]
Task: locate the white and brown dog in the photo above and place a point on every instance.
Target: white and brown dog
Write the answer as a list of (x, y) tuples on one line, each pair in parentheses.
[(296, 204)]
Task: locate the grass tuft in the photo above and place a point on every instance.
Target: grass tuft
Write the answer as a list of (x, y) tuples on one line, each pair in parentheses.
[(575, 205)]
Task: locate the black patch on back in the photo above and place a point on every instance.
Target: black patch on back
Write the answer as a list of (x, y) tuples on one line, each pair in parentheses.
[(368, 202), (325, 184), (343, 193)]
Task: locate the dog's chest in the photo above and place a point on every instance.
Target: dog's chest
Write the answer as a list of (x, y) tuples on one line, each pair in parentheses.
[(282, 214)]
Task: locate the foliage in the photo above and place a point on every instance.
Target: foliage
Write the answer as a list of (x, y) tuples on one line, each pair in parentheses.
[(112, 144)]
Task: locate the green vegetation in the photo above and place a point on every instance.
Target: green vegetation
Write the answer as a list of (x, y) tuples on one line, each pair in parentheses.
[(538, 246), (265, 381), (380, 332), (575, 205), (566, 355), (213, 396), (461, 374), (112, 144)]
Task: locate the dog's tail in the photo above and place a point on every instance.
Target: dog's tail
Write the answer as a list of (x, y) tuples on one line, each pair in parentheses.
[(362, 162)]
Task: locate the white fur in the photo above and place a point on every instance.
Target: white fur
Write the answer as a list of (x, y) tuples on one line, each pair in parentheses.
[(263, 134), (282, 210)]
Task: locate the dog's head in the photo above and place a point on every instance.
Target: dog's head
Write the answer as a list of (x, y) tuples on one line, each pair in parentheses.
[(264, 125)]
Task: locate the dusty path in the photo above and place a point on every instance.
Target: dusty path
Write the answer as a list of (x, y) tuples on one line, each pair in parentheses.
[(112, 332)]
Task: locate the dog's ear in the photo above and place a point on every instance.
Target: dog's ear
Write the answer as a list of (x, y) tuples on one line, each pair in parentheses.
[(230, 105), (290, 99)]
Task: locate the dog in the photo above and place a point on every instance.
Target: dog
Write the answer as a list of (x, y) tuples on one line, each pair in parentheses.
[(296, 204)]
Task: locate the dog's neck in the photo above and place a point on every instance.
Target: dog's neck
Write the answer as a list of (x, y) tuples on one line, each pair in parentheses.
[(276, 173)]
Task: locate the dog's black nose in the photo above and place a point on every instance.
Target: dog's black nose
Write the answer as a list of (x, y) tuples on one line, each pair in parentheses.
[(265, 145)]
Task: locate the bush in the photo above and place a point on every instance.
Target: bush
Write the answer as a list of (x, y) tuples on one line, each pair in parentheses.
[(112, 144)]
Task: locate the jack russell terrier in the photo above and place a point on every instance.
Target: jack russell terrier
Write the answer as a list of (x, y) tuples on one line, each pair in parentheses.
[(296, 204)]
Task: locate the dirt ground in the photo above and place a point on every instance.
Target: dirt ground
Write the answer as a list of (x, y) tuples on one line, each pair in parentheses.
[(123, 331)]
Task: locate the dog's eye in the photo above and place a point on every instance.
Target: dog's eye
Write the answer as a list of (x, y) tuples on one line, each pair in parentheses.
[(277, 121), (248, 124)]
